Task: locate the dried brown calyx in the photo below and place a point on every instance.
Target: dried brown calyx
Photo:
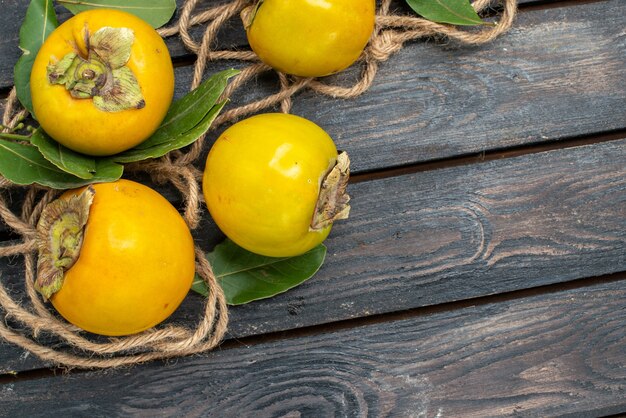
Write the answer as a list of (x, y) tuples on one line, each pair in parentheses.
[(248, 13), (103, 74), (60, 232), (332, 203)]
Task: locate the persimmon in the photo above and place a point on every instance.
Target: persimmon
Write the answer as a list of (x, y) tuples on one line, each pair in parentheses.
[(102, 82), (274, 184), (309, 38), (114, 258)]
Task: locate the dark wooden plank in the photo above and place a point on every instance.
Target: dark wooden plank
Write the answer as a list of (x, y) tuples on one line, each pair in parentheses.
[(452, 234), (545, 355), (558, 74), (13, 12), (461, 232)]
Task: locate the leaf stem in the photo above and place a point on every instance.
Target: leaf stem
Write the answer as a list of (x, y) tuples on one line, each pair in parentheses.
[(14, 137)]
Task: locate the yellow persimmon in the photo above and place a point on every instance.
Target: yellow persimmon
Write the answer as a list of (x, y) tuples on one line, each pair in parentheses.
[(274, 184), (102, 82), (135, 260), (309, 38)]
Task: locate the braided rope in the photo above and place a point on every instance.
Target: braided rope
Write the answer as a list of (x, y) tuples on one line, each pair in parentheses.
[(34, 317)]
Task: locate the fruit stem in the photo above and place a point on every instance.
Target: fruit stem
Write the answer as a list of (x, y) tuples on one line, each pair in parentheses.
[(60, 232), (332, 203), (248, 14), (103, 75)]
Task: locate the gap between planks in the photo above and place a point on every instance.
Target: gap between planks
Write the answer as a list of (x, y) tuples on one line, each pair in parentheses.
[(359, 322), (7, 235), (553, 4), (491, 155)]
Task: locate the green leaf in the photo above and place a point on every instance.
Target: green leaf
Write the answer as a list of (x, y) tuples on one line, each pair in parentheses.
[(50, 164), (245, 276), (169, 144), (187, 119), (107, 170), (23, 164), (64, 158), (39, 22), (455, 12), (190, 110), (156, 12)]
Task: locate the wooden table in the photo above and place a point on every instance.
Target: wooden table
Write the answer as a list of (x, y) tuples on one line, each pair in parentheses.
[(482, 270)]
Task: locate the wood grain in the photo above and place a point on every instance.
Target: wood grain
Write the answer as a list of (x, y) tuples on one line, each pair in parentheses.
[(546, 355), (419, 240), (449, 234), (558, 74), (232, 34), (452, 234)]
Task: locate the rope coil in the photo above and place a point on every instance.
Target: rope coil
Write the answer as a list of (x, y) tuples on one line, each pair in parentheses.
[(34, 317)]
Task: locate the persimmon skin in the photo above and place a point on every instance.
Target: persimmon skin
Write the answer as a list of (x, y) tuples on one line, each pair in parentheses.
[(311, 38), (262, 181), (136, 263), (77, 123)]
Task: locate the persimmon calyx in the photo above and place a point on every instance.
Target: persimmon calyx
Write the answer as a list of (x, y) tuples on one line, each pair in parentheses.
[(332, 203), (59, 238), (103, 75), (248, 13)]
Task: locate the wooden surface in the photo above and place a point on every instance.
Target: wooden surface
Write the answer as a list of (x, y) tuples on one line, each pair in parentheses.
[(482, 271), (547, 354)]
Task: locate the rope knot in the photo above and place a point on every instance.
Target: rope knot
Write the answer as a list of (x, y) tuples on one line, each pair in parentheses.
[(383, 45), (179, 168)]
